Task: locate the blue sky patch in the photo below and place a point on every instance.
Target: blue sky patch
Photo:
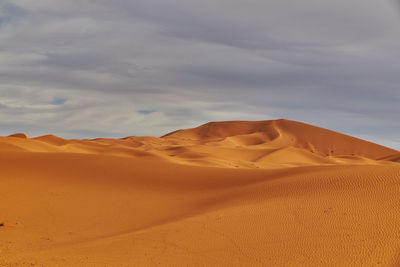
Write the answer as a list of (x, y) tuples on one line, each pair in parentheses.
[(10, 12), (146, 111), (58, 101)]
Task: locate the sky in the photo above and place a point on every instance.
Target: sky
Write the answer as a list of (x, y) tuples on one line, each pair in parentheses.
[(100, 68)]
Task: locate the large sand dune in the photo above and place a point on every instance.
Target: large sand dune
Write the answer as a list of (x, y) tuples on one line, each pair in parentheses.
[(268, 193)]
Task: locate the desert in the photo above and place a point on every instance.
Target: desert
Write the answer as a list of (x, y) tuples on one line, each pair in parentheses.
[(233, 193), (199, 133)]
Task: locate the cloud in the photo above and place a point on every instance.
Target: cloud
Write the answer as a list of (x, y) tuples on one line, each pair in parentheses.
[(146, 67)]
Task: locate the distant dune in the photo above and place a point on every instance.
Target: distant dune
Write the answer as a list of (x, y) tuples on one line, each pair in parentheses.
[(18, 135), (238, 193)]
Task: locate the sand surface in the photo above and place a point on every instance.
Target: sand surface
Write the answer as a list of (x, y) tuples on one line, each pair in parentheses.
[(268, 193)]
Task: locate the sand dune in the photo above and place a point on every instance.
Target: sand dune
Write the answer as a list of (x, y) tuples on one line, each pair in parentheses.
[(19, 135), (283, 133), (268, 193)]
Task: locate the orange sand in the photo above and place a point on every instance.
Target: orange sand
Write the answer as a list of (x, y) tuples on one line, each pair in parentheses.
[(229, 193)]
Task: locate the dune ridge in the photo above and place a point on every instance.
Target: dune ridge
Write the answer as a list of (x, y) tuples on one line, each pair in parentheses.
[(266, 193), (233, 144)]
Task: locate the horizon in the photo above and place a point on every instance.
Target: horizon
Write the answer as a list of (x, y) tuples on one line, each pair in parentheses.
[(177, 130), (98, 69)]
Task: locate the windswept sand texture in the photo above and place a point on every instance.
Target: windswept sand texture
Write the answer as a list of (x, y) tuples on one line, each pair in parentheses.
[(268, 193)]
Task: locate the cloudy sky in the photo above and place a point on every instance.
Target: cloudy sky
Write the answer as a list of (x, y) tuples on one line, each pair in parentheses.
[(100, 68)]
